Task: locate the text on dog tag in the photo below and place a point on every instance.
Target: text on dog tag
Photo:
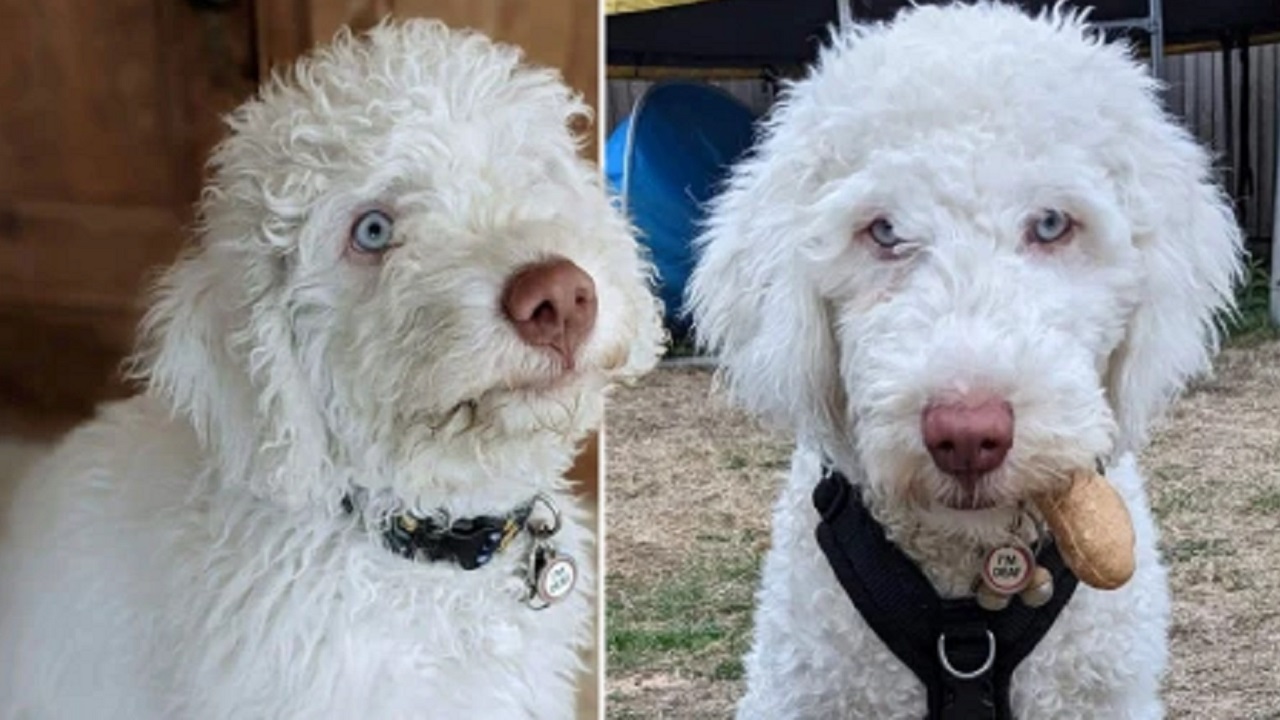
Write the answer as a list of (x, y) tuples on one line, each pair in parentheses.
[(1007, 569), (556, 578)]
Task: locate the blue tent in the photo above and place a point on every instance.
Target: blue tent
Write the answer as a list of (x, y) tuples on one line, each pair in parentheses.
[(664, 162)]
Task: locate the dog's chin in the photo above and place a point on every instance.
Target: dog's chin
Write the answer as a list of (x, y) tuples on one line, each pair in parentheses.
[(973, 507), (543, 392), (970, 500), (929, 489), (981, 523), (552, 382)]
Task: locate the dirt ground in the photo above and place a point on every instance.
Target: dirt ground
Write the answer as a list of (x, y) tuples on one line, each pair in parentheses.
[(690, 483)]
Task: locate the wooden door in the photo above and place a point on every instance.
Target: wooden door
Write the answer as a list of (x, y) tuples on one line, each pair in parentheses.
[(108, 111)]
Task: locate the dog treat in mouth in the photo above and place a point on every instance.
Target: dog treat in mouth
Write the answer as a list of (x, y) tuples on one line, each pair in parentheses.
[(1092, 527)]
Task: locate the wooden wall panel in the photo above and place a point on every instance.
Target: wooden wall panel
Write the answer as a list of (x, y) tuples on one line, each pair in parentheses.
[(83, 256), (80, 106), (282, 32), (210, 68), (327, 16), (109, 111), (57, 363)]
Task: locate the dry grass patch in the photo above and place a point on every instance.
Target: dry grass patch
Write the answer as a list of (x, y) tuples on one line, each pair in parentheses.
[(691, 483)]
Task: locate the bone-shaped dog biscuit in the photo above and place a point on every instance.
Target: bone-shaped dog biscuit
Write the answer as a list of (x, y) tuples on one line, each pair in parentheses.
[(1093, 530)]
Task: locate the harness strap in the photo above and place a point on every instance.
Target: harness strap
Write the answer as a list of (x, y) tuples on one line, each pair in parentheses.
[(964, 655)]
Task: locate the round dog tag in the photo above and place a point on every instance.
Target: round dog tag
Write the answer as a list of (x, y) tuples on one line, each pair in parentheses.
[(1008, 568), (556, 578)]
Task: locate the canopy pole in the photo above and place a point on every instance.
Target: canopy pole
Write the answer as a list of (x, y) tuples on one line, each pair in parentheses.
[(1274, 279), (845, 14), (1153, 26), (1156, 28)]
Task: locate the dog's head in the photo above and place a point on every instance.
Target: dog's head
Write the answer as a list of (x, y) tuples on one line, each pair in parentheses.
[(405, 274), (970, 254)]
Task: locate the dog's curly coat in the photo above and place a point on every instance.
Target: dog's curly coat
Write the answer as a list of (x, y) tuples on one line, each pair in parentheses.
[(187, 554), (959, 128)]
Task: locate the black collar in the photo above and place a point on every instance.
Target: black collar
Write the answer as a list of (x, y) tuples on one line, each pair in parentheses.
[(963, 654), (469, 542)]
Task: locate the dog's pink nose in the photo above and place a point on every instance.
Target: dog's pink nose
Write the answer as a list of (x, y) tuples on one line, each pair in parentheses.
[(968, 439), (552, 304)]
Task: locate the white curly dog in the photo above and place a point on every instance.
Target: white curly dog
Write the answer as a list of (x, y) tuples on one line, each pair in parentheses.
[(408, 295), (969, 254)]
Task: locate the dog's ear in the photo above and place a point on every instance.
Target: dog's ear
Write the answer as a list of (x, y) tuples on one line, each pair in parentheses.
[(216, 347), (754, 305), (1190, 249)]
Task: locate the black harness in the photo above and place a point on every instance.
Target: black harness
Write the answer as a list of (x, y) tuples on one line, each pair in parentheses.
[(964, 655)]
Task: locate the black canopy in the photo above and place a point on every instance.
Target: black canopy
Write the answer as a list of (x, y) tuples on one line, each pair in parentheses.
[(760, 33)]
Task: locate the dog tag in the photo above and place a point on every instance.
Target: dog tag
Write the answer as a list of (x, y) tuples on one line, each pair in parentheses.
[(1008, 568), (552, 576), (556, 577)]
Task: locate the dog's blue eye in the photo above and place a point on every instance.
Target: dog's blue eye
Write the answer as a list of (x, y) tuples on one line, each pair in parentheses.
[(1052, 226), (372, 232), (882, 232)]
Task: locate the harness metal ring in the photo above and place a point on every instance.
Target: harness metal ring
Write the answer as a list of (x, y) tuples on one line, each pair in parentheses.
[(946, 664)]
